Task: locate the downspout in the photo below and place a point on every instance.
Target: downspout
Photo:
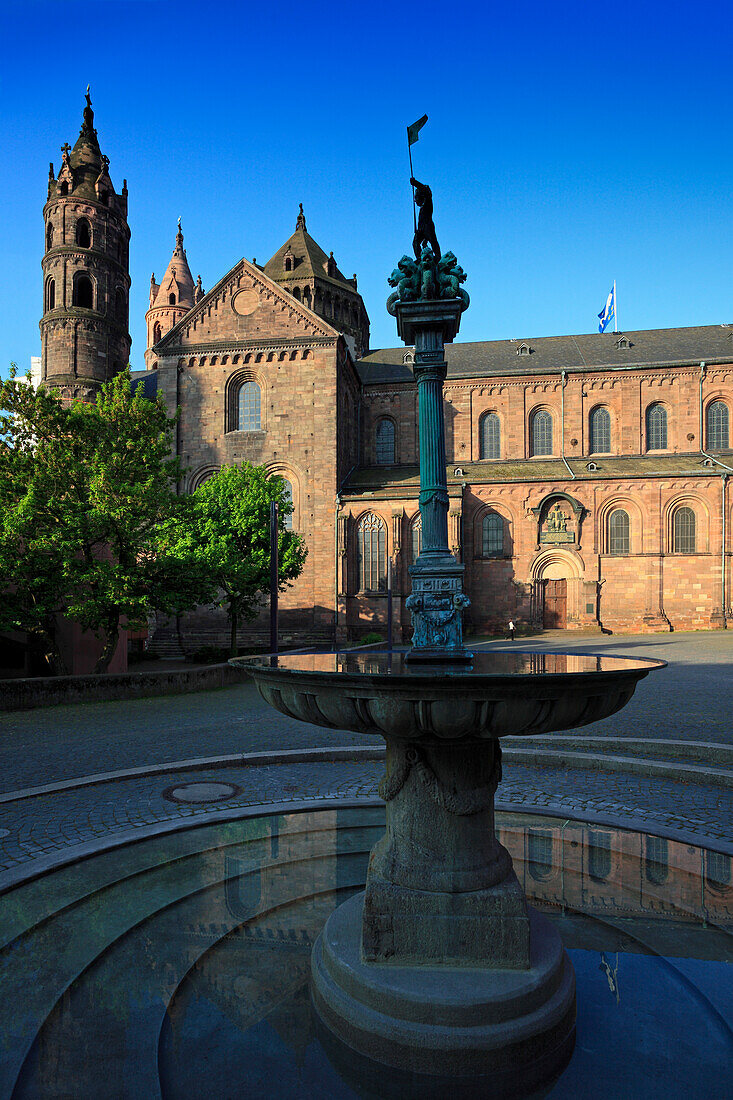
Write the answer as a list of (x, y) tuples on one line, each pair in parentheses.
[(563, 383), (336, 571), (724, 480), (703, 452)]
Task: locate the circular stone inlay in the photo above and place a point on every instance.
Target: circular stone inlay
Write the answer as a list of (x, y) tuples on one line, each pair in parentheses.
[(202, 792), (245, 302)]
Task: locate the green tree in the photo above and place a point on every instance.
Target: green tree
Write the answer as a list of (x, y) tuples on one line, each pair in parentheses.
[(87, 492), (226, 532)]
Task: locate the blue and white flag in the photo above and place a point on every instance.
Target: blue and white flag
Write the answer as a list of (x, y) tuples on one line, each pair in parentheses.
[(608, 312)]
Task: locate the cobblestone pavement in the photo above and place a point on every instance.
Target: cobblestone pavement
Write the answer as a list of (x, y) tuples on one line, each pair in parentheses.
[(690, 700), (50, 823)]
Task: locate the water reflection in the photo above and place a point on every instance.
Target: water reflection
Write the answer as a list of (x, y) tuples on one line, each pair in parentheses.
[(198, 984), (494, 663)]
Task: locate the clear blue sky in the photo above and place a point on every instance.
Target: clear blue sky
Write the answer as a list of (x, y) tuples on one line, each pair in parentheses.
[(568, 144)]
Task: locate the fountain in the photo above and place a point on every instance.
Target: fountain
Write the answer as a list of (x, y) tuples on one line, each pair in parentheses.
[(439, 967)]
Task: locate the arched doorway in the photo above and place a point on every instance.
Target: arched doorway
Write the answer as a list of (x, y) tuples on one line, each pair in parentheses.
[(556, 575)]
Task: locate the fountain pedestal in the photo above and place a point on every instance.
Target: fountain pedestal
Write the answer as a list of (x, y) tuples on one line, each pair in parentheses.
[(440, 967)]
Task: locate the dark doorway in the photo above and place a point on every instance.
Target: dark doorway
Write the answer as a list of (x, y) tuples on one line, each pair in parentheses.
[(556, 602)]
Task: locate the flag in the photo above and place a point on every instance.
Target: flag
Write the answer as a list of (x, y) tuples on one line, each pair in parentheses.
[(414, 130), (608, 311)]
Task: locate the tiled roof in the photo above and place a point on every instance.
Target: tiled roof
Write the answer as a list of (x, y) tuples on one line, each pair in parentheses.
[(488, 358), (309, 260), (149, 379), (390, 480)]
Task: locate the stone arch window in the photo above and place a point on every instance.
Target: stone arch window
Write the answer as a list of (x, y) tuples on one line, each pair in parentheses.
[(600, 430), (492, 535), (656, 860), (120, 304), (50, 293), (656, 427), (385, 441), (49, 236), (296, 293), (416, 537), (683, 531), (248, 407), (717, 870), (83, 233), (83, 294), (307, 297), (539, 853), (541, 429), (489, 436), (64, 188), (371, 554), (171, 299), (718, 437), (619, 532), (157, 332), (599, 855)]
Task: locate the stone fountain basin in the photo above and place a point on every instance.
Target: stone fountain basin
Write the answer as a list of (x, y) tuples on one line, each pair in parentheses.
[(500, 694)]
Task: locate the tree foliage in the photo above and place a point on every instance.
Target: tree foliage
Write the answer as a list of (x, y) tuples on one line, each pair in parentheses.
[(224, 531), (87, 493)]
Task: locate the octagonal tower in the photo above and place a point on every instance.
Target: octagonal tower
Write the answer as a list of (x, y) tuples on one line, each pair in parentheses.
[(85, 336)]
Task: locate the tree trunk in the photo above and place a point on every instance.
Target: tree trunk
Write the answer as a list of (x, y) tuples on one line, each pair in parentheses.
[(112, 635), (52, 653), (233, 624)]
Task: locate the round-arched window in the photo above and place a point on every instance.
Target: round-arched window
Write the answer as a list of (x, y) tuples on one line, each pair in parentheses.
[(656, 428), (385, 441), (492, 530), (600, 431), (489, 436), (248, 407), (83, 292), (718, 438), (83, 233), (618, 532), (683, 531), (542, 432)]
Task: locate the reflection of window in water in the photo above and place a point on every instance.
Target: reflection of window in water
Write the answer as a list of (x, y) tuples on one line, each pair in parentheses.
[(656, 866), (539, 853), (717, 869), (599, 855)]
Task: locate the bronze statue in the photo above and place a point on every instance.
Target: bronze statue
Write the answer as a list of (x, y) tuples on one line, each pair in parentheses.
[(425, 232)]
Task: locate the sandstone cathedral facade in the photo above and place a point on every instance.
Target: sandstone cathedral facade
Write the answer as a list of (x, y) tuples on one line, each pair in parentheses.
[(588, 475)]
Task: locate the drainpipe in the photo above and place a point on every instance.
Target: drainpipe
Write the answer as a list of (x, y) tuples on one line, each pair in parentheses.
[(563, 383), (703, 452), (724, 480), (336, 571)]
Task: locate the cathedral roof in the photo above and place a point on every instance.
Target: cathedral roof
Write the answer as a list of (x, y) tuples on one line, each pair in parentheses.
[(309, 260), (177, 279), (663, 347)]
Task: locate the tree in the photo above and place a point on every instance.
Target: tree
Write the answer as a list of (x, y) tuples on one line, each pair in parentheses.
[(226, 531), (87, 493)]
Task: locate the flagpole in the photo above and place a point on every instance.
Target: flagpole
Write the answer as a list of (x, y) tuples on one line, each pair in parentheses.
[(412, 176), (615, 307)]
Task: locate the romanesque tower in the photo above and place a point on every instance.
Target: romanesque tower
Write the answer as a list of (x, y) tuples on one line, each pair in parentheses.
[(170, 299), (86, 284)]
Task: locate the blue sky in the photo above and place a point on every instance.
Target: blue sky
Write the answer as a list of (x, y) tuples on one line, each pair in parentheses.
[(568, 144)]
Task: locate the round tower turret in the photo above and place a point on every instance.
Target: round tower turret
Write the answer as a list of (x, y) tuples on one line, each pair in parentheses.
[(85, 336), (171, 299)]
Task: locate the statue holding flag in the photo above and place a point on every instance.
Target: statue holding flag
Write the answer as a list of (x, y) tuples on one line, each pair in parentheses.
[(425, 229)]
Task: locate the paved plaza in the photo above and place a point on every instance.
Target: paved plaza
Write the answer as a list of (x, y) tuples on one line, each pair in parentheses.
[(74, 778)]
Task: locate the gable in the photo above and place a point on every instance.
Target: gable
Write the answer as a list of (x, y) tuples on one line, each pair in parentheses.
[(245, 306)]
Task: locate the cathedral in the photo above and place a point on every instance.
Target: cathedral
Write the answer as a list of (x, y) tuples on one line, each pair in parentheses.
[(587, 474)]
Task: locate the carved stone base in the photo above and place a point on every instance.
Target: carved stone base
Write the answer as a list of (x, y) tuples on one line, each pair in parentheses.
[(443, 1021), (480, 928), (437, 603)]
